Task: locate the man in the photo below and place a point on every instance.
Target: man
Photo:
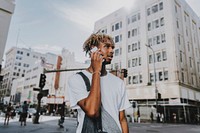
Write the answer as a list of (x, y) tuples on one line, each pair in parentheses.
[(62, 115), (107, 91), (24, 113), (8, 113)]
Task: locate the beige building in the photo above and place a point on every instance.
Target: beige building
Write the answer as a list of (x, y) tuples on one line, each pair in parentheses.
[(6, 10), (170, 30)]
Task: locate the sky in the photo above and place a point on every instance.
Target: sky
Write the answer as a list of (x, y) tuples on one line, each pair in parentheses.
[(50, 25)]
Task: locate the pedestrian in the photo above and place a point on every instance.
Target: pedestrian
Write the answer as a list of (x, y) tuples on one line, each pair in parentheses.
[(96, 93), (151, 115), (138, 116), (24, 113), (8, 114), (62, 115)]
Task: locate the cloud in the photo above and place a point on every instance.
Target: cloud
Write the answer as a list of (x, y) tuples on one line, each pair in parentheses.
[(45, 48), (78, 16)]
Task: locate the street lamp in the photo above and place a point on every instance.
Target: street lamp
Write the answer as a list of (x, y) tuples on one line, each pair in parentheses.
[(154, 67)]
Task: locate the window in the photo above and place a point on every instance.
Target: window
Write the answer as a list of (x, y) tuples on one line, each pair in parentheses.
[(161, 5), (116, 26), (134, 32), (149, 26), (165, 75), (120, 24), (150, 59), (190, 61), (135, 79), (129, 63), (116, 66), (188, 46), (181, 57), (148, 11), (163, 38), (116, 39), (116, 52), (179, 39), (134, 62), (164, 55), (162, 21), (151, 77), (186, 31), (27, 54), (138, 16), (138, 44), (21, 53), (129, 34), (140, 78), (150, 41), (160, 76), (177, 24), (158, 39), (182, 76), (158, 55), (154, 8), (139, 61), (134, 18), (129, 80), (129, 48), (113, 28)]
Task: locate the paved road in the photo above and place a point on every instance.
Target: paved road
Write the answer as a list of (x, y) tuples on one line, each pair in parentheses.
[(48, 124)]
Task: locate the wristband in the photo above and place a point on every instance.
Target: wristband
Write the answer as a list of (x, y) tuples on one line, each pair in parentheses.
[(97, 72)]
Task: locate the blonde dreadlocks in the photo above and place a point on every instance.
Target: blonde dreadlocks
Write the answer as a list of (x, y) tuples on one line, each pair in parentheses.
[(95, 39)]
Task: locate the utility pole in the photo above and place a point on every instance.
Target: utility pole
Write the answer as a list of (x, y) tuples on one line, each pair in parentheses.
[(155, 85)]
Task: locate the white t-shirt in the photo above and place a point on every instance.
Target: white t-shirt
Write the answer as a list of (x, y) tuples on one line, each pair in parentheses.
[(113, 95)]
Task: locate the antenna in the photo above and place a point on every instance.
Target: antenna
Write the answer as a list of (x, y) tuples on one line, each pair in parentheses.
[(17, 37)]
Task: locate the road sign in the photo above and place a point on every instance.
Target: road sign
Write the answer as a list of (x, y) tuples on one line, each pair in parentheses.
[(36, 89)]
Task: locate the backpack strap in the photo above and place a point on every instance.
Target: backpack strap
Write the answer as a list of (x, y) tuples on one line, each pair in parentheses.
[(87, 83), (86, 80)]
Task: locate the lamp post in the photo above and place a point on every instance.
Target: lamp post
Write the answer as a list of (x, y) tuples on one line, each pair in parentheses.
[(154, 68)]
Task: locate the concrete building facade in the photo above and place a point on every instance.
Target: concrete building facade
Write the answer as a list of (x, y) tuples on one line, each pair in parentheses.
[(172, 31), (6, 10)]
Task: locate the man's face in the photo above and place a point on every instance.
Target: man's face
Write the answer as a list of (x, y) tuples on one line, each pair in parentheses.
[(106, 50)]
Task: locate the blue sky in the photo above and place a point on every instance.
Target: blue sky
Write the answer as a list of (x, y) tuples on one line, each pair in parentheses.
[(50, 25)]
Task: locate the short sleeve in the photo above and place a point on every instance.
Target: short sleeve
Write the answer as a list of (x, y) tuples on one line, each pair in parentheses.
[(124, 104), (77, 90)]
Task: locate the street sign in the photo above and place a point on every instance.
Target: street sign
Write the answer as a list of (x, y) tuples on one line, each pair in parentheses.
[(36, 89)]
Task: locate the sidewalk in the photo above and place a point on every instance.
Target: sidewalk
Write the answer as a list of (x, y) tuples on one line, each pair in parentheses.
[(48, 124)]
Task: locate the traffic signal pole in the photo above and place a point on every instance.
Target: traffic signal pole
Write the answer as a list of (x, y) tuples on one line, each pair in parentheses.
[(39, 97)]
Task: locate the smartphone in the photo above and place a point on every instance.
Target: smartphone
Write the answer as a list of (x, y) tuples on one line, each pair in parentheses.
[(93, 49)]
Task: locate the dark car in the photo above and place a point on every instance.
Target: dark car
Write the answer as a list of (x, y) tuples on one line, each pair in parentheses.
[(31, 111)]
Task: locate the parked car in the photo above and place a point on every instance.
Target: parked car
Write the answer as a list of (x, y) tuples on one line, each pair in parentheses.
[(31, 111)]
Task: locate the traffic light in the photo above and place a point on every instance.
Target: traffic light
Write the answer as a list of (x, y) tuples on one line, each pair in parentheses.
[(42, 80), (1, 78), (125, 73), (159, 96), (134, 104)]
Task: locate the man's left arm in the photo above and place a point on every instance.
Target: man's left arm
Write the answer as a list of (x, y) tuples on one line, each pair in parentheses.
[(123, 122)]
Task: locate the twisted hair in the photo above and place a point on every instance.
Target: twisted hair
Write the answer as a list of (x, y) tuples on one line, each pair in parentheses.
[(95, 39)]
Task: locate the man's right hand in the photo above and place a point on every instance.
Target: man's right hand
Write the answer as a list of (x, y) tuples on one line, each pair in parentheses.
[(96, 61)]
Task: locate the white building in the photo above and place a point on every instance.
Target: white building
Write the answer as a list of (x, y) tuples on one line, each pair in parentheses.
[(56, 83), (6, 10), (18, 62), (172, 30)]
